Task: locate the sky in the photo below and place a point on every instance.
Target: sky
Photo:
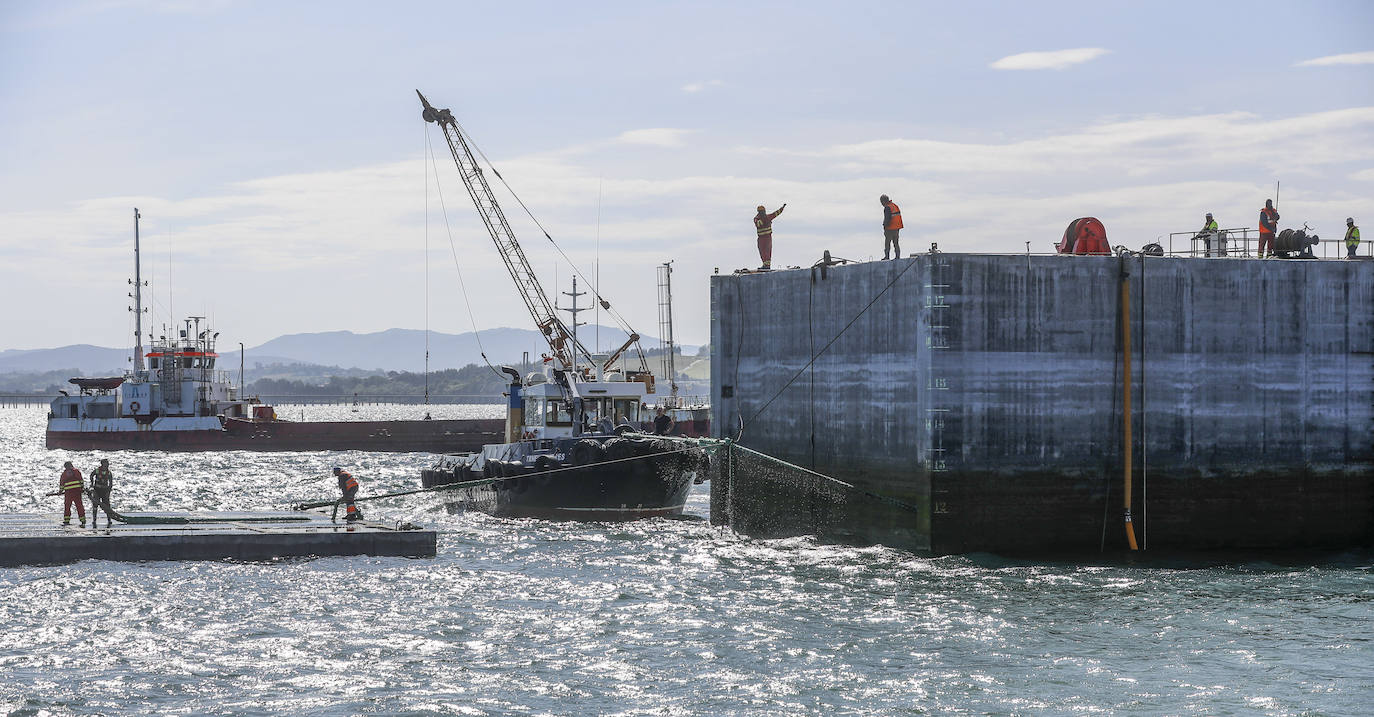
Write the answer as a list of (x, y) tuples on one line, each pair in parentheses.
[(278, 157)]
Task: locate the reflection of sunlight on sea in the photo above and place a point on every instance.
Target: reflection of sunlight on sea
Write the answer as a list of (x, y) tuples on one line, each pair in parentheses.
[(653, 616)]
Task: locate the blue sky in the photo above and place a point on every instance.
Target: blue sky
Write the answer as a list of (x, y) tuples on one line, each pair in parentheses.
[(278, 156)]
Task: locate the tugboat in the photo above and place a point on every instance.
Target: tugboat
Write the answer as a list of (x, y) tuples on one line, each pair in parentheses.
[(571, 450), (179, 401)]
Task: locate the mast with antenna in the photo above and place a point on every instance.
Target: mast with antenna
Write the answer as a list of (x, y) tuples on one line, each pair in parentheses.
[(138, 299), (574, 310)]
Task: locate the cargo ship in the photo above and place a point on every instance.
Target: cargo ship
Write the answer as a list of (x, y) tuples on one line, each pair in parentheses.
[(175, 399)]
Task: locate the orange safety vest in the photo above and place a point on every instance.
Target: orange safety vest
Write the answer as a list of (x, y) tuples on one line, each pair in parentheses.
[(896, 221), (346, 481), (71, 478), (1272, 217)]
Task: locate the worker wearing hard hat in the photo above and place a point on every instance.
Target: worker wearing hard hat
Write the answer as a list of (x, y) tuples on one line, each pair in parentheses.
[(1352, 237), (892, 225), (102, 484), (70, 486), (1268, 226), (1209, 231), (348, 485), (763, 224)]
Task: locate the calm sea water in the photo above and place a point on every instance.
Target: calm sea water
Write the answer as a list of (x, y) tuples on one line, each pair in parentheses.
[(654, 617)]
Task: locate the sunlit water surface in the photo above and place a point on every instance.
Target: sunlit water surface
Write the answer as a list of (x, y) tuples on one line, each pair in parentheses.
[(653, 617)]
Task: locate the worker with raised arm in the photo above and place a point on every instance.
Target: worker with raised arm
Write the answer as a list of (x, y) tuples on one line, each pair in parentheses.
[(1352, 237), (892, 225), (1208, 233), (763, 224), (1268, 225), (348, 485), (71, 484), (102, 484)]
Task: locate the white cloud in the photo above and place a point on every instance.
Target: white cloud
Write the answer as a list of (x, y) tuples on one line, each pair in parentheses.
[(1350, 58), (656, 136), (699, 86), (295, 252), (1140, 147), (1052, 60)]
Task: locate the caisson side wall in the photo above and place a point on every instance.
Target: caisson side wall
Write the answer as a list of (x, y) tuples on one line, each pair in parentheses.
[(981, 397)]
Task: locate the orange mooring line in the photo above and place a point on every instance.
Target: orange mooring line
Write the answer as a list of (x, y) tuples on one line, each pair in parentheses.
[(1128, 445)]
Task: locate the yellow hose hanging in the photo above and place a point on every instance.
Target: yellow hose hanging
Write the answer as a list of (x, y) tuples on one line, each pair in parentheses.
[(1126, 404)]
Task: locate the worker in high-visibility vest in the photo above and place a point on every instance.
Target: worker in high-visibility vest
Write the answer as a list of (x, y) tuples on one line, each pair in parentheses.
[(1268, 225), (763, 225), (1209, 231), (349, 486), (71, 484), (892, 225), (1352, 237)]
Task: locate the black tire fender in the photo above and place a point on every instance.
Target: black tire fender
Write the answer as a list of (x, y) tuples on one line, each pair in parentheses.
[(586, 452)]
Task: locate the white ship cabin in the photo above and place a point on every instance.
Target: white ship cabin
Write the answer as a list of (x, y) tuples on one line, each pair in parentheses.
[(180, 380), (609, 401)]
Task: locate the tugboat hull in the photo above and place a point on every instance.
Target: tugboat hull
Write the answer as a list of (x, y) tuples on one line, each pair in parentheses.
[(640, 479)]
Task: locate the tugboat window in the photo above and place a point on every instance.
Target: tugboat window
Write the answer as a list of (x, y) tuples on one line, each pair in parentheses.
[(627, 408), (534, 411), (558, 414)]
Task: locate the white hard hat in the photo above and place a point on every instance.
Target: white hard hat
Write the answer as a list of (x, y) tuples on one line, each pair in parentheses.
[(1349, 220)]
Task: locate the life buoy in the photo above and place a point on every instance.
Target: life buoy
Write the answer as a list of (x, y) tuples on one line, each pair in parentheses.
[(133, 406)]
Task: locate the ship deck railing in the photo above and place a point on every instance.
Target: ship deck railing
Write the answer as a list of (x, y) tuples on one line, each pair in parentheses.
[(1243, 242)]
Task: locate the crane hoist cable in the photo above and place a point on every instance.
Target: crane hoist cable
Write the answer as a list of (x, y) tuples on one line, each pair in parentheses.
[(564, 345), (615, 315), (453, 249)]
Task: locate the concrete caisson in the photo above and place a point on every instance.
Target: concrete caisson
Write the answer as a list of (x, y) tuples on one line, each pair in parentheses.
[(980, 398)]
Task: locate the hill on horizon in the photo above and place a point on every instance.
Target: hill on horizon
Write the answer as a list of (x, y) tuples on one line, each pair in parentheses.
[(389, 350)]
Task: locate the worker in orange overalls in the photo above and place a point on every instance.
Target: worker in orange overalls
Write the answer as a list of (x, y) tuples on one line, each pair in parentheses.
[(1268, 224), (349, 486), (892, 224), (71, 484), (763, 224)]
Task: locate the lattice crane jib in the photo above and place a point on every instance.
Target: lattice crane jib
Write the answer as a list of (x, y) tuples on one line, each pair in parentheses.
[(563, 346)]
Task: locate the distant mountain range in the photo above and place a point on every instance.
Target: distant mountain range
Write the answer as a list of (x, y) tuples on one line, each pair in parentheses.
[(390, 350)]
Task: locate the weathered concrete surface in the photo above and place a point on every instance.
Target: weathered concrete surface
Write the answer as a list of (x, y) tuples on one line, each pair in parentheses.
[(986, 392), (34, 539)]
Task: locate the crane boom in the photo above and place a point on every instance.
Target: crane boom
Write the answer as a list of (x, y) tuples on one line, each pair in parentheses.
[(564, 347)]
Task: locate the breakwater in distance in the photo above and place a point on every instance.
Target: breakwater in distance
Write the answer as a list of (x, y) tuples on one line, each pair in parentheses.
[(639, 618), (986, 396)]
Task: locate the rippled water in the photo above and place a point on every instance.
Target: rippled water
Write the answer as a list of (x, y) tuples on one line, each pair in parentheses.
[(654, 617)]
